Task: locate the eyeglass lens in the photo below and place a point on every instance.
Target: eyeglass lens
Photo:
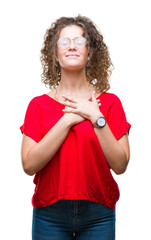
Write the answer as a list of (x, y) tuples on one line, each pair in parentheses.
[(65, 42)]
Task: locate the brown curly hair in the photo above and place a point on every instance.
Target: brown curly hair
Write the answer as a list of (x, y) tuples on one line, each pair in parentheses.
[(99, 66)]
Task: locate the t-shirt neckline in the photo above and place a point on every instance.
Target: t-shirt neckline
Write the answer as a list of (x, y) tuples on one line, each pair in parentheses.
[(51, 98)]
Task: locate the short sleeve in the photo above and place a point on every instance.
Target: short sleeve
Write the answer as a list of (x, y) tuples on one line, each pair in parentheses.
[(31, 126), (117, 119)]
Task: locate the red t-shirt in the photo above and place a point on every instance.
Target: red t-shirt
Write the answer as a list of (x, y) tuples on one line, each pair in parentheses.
[(78, 170)]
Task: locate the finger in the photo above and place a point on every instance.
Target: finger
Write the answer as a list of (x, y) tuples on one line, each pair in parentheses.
[(71, 99), (69, 110), (93, 97), (69, 104)]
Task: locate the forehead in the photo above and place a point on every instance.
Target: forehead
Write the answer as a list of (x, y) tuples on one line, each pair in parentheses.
[(72, 32)]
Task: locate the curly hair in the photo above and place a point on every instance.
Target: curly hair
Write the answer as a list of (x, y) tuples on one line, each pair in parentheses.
[(98, 67)]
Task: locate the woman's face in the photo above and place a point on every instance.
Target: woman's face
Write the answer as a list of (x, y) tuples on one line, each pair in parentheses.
[(72, 56)]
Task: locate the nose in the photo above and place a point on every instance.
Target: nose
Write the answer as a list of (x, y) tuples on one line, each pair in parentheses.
[(72, 44)]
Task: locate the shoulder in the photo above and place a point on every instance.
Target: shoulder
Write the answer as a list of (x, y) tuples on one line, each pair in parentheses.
[(38, 100), (36, 103), (110, 103), (110, 97)]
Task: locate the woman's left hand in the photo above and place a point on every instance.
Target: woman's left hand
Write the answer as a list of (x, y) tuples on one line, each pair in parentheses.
[(88, 109)]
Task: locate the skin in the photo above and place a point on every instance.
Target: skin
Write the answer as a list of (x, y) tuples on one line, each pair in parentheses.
[(80, 103)]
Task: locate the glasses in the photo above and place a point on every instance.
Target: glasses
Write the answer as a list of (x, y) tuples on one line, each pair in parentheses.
[(65, 42)]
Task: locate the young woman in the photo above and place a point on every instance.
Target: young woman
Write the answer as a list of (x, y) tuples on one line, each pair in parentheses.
[(74, 135)]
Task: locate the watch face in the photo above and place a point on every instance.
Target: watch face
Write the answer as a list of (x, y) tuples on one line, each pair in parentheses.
[(101, 122)]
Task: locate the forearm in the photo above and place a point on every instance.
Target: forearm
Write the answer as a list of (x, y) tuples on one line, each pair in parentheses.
[(41, 153), (114, 153)]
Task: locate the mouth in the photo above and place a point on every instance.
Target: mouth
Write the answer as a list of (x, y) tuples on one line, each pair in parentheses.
[(72, 55)]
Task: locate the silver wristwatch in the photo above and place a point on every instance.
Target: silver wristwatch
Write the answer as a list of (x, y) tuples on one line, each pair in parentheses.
[(100, 122)]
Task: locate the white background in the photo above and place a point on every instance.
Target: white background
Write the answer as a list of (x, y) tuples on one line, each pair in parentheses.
[(126, 29)]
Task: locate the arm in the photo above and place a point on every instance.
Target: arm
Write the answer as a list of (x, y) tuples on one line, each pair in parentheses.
[(36, 155), (116, 152)]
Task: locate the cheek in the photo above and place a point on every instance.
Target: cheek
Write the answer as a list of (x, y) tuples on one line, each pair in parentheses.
[(60, 55), (84, 52), (85, 55)]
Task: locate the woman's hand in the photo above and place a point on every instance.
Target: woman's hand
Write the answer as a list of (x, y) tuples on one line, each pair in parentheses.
[(88, 109), (72, 118)]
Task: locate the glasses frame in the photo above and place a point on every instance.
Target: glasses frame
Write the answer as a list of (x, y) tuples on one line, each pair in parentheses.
[(69, 42)]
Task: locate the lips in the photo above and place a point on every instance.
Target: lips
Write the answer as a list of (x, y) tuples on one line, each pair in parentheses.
[(72, 55)]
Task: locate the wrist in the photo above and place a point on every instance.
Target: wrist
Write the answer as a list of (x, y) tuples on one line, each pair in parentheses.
[(67, 121), (95, 116)]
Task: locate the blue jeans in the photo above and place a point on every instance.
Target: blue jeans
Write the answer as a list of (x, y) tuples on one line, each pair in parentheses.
[(73, 219)]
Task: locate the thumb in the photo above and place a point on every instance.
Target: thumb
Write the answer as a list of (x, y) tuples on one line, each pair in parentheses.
[(93, 97)]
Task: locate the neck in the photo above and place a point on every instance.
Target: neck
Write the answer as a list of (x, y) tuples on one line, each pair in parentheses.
[(72, 82)]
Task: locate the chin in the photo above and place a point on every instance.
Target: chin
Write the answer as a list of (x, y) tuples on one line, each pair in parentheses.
[(73, 67)]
